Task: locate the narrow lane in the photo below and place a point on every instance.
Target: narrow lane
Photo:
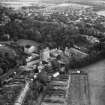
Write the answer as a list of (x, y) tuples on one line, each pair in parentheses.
[(22, 95)]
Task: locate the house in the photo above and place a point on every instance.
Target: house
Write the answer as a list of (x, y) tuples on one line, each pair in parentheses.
[(77, 54)]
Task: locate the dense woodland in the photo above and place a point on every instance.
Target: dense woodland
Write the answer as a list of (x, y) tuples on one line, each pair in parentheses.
[(55, 29)]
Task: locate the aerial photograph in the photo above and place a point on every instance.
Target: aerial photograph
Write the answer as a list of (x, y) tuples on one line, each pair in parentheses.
[(52, 52)]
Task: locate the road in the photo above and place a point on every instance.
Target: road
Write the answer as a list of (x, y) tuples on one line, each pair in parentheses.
[(96, 76), (23, 93)]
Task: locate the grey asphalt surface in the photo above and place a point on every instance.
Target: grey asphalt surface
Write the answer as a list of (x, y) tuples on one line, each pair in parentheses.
[(96, 77)]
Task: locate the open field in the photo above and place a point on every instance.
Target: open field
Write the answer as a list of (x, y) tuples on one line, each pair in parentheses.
[(96, 75)]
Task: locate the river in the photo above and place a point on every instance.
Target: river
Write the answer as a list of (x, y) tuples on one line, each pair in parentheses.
[(96, 77)]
